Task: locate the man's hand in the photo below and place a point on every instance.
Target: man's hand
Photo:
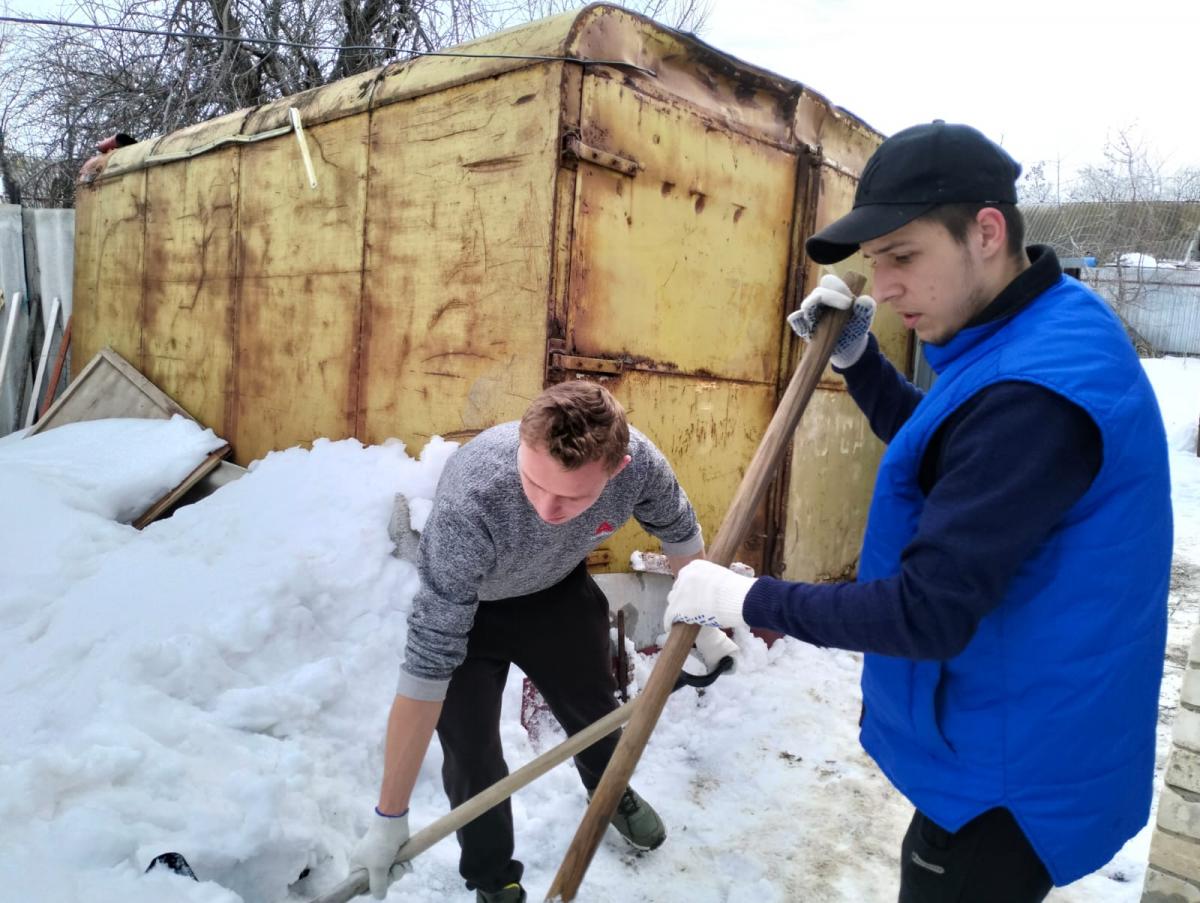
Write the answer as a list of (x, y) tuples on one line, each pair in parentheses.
[(713, 645), (707, 594), (376, 852), (832, 292)]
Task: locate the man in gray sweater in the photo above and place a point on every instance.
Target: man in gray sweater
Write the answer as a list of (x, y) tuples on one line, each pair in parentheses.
[(504, 580)]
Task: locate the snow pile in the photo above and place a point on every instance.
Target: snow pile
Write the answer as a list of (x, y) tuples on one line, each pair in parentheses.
[(218, 684), (212, 685), (1136, 259), (1176, 382)]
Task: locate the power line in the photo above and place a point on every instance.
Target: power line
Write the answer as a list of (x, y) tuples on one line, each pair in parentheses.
[(128, 29)]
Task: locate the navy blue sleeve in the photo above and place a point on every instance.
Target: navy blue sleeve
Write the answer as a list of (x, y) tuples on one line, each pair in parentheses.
[(996, 497), (881, 391)]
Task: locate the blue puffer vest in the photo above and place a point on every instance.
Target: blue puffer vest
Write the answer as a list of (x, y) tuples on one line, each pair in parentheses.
[(1050, 711)]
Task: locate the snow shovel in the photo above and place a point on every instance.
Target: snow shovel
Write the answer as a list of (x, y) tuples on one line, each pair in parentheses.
[(729, 538), (418, 843)]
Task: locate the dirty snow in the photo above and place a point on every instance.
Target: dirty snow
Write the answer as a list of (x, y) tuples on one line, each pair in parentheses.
[(218, 684), (1137, 259)]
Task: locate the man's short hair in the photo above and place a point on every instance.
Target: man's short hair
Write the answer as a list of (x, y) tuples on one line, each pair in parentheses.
[(958, 219), (577, 422)]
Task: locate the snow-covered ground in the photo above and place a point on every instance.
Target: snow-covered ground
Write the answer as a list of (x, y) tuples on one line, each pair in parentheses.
[(217, 685)]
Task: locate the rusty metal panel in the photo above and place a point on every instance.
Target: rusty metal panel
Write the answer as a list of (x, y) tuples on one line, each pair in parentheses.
[(186, 140), (85, 318), (708, 429), (730, 95), (108, 269), (297, 322), (844, 139), (682, 267), (126, 159), (843, 144), (496, 54), (836, 199), (458, 270), (834, 455), (345, 97), (834, 459), (190, 283), (570, 100)]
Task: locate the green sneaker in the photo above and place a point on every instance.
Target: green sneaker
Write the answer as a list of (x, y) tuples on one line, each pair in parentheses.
[(638, 823), (510, 893)]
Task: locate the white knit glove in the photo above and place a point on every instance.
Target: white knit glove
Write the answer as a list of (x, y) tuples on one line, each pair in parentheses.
[(832, 292), (707, 594), (376, 852), (713, 645)]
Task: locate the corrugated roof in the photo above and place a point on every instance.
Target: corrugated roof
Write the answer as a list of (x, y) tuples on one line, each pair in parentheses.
[(1163, 229)]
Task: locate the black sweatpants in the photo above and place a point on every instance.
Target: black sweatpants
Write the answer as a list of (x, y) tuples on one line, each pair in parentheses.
[(559, 637), (987, 860)]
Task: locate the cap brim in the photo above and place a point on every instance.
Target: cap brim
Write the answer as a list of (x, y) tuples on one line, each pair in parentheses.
[(841, 238)]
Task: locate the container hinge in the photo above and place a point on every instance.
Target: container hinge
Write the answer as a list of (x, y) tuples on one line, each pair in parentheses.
[(560, 361), (574, 147)]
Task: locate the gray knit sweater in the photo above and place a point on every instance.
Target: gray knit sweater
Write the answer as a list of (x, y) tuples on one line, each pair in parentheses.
[(483, 541)]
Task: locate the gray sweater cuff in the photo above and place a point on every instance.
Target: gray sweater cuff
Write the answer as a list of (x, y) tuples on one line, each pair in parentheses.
[(423, 689), (686, 547)]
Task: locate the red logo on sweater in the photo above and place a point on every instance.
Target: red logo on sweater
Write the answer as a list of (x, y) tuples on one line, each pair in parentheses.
[(604, 529)]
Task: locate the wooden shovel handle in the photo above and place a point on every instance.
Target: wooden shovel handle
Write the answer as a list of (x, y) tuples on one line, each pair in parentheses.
[(52, 387), (356, 884), (730, 537)]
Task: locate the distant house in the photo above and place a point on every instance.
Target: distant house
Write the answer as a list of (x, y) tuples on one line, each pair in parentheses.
[(1143, 257)]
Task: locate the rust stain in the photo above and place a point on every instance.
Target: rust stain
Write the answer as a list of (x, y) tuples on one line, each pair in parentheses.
[(738, 210), (700, 200), (744, 93), (667, 188), (524, 98), (495, 164), (452, 304), (476, 354)]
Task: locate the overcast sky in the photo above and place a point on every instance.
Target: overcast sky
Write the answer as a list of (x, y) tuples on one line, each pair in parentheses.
[(1048, 79)]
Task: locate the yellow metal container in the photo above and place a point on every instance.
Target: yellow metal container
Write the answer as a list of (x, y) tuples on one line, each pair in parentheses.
[(589, 196)]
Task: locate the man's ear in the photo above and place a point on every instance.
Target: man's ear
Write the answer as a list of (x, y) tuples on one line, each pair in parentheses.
[(993, 232), (624, 463)]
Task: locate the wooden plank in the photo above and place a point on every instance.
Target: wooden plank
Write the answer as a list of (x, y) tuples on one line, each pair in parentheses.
[(109, 386), (55, 329), (207, 466), (14, 362), (60, 361)]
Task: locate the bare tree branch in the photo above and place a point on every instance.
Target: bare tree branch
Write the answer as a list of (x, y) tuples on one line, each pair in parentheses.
[(66, 89)]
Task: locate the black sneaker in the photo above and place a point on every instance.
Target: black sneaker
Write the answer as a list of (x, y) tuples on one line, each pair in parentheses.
[(510, 893), (638, 823)]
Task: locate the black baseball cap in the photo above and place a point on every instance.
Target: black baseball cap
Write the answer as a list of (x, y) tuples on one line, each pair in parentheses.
[(912, 172)]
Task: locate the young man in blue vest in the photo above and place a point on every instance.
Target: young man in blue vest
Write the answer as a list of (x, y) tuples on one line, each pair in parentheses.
[(1013, 578)]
